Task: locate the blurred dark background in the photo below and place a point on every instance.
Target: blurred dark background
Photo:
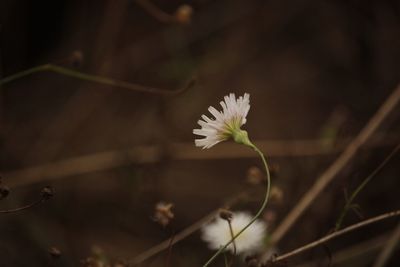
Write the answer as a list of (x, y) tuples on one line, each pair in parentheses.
[(316, 72)]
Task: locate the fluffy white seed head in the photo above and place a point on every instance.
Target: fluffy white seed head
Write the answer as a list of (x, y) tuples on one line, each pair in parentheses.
[(217, 233)]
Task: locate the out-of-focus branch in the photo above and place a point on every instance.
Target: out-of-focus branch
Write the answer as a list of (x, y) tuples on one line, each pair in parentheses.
[(337, 234), (185, 232), (349, 202), (342, 161), (96, 79), (360, 252), (155, 11), (388, 249), (175, 151), (182, 15), (46, 194)]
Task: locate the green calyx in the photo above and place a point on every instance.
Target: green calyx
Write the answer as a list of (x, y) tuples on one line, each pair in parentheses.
[(241, 137)]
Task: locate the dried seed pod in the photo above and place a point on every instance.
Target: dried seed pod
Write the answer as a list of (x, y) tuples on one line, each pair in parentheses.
[(183, 14), (4, 192), (254, 176), (47, 192), (225, 214), (54, 252), (163, 213)]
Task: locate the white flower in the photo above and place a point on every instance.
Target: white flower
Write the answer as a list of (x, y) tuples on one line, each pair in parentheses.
[(217, 233), (227, 122)]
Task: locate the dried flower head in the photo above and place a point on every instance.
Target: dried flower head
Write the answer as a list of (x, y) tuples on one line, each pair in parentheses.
[(163, 213), (226, 124), (184, 14), (254, 176), (54, 252), (217, 233)]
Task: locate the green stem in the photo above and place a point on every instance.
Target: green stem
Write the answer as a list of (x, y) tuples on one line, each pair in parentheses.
[(92, 78), (263, 205), (361, 186)]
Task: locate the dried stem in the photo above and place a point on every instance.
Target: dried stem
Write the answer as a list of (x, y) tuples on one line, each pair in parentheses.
[(343, 160), (336, 234), (388, 248), (259, 212), (96, 79), (184, 233), (28, 206), (155, 11), (362, 185), (232, 236)]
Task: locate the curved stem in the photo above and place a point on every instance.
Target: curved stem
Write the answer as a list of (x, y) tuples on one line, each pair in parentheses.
[(37, 202), (263, 205), (94, 78)]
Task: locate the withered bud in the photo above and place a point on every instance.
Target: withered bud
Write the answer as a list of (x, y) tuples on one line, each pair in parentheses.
[(47, 192), (54, 252), (4, 192), (274, 169), (251, 261), (183, 14), (90, 262), (120, 264), (76, 58), (225, 214), (276, 194), (270, 216), (163, 213), (254, 176)]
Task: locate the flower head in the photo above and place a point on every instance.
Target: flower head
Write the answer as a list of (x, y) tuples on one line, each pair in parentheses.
[(217, 233), (226, 124)]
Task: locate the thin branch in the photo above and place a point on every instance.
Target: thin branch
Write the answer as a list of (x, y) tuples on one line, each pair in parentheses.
[(232, 236), (96, 79), (176, 151), (184, 233), (388, 249), (46, 193), (155, 11), (342, 161), (359, 251), (349, 202), (31, 205), (337, 234)]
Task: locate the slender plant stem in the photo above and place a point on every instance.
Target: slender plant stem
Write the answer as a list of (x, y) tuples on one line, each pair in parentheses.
[(37, 202), (155, 11), (263, 205), (232, 235), (93, 78), (362, 185), (226, 260), (388, 249), (338, 233), (338, 165)]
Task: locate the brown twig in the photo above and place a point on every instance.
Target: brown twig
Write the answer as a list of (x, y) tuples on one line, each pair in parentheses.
[(96, 79), (350, 200), (46, 193), (388, 248), (337, 234), (168, 258), (356, 251), (31, 205), (174, 151), (232, 236), (342, 161), (155, 11), (184, 233)]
